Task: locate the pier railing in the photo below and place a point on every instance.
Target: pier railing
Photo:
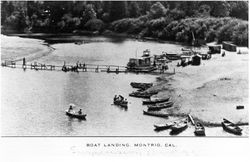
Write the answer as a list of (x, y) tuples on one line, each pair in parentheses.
[(78, 67)]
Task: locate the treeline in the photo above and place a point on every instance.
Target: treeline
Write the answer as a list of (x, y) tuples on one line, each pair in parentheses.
[(168, 20)]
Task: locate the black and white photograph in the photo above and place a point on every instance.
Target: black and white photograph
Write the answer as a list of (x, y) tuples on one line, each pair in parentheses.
[(124, 69)]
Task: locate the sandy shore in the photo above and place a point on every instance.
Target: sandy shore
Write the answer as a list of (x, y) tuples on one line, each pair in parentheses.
[(211, 91), (15, 48)]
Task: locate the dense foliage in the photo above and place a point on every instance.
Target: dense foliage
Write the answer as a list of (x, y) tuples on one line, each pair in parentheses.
[(168, 20)]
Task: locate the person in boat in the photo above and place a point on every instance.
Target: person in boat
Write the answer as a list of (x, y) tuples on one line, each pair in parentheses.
[(115, 98), (70, 108), (80, 112), (121, 98)]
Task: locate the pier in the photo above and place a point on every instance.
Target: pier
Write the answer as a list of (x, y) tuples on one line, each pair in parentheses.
[(78, 67)]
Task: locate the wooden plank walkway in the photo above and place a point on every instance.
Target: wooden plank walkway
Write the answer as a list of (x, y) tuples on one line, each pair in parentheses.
[(75, 68)]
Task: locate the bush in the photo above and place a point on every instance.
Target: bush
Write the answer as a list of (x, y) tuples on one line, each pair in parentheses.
[(94, 25), (129, 25)]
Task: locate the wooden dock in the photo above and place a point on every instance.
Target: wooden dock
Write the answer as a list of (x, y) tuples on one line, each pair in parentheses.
[(78, 67)]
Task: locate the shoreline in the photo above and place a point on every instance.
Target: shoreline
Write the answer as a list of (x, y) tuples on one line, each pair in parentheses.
[(107, 33), (175, 84)]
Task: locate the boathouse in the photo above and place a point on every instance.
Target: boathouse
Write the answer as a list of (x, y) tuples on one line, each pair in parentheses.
[(196, 60), (214, 49), (229, 46)]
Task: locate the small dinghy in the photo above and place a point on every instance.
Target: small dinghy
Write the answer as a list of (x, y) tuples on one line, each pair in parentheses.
[(160, 127), (199, 129), (76, 115), (179, 127), (140, 94), (120, 101), (71, 113), (155, 113), (143, 86), (155, 101), (231, 127), (160, 106)]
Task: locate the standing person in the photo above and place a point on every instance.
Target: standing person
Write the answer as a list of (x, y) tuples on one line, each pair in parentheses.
[(24, 62)]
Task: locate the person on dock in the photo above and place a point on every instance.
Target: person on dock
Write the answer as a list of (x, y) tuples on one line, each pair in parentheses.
[(24, 62), (223, 54)]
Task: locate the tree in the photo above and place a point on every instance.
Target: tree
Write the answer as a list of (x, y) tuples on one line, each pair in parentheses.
[(157, 10), (94, 25), (239, 9), (118, 10), (204, 11), (219, 8), (89, 13), (134, 9)]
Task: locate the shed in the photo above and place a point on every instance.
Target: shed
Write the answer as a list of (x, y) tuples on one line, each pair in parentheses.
[(214, 49), (196, 60), (229, 46)]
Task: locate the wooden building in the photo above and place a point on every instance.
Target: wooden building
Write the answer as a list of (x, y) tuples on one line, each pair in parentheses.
[(229, 46)]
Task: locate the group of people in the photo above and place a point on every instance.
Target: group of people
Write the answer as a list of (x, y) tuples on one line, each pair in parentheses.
[(71, 109), (74, 68), (119, 98)]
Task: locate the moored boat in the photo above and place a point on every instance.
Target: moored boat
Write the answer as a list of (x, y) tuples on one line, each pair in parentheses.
[(199, 129), (76, 115), (178, 127), (160, 127), (121, 103), (231, 127), (160, 106), (155, 101), (155, 113), (142, 94), (141, 85)]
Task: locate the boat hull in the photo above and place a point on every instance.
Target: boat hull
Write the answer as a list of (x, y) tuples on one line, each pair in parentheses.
[(121, 104), (230, 130), (150, 102), (159, 107), (155, 114), (78, 116)]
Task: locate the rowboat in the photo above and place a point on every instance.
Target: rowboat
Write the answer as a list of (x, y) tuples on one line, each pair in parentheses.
[(231, 127), (160, 106), (121, 103), (178, 127), (155, 113), (142, 94), (159, 127), (141, 85), (199, 129), (75, 115), (155, 101)]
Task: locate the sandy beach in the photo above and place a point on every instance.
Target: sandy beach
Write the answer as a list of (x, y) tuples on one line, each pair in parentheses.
[(211, 91), (15, 48)]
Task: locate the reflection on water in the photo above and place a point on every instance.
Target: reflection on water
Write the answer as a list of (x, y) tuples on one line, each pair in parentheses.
[(34, 102)]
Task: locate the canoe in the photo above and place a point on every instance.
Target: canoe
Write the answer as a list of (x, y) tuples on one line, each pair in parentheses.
[(155, 101), (75, 115), (141, 85), (157, 114), (178, 127), (199, 129), (142, 94), (231, 127), (160, 127), (160, 106), (121, 103)]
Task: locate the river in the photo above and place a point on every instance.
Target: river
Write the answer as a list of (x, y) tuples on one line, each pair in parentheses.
[(33, 103)]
